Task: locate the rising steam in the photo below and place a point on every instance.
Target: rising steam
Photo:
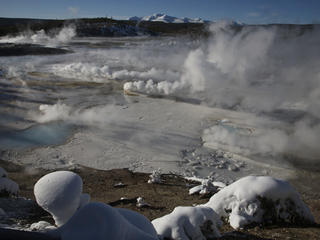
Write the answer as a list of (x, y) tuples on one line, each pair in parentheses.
[(264, 70), (273, 72), (40, 37)]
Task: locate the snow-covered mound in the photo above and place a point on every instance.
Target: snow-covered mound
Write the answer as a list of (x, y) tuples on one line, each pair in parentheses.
[(159, 17), (60, 193), (100, 221), (260, 200), (138, 220), (206, 187), (7, 186), (188, 223)]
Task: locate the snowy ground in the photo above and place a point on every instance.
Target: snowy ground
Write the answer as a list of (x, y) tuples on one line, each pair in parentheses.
[(117, 131), (70, 109)]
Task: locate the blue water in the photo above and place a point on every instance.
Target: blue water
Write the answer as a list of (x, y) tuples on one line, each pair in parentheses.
[(54, 133)]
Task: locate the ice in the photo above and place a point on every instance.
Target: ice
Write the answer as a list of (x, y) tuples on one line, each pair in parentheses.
[(188, 223), (260, 199)]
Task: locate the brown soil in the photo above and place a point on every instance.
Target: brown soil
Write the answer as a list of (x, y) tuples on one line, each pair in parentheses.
[(162, 198)]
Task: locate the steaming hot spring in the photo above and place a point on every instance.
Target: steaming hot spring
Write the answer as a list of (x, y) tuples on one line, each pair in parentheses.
[(238, 102)]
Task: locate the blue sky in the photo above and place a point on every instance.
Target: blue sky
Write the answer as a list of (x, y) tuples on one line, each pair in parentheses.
[(247, 11)]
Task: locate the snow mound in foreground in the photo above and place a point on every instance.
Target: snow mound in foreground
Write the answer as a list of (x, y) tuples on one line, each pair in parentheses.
[(260, 200), (7, 186), (188, 223), (100, 221), (60, 194)]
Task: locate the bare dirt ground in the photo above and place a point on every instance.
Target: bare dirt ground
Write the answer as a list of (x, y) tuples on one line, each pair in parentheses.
[(162, 198)]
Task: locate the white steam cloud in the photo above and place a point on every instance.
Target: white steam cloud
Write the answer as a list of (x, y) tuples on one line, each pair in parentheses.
[(251, 69), (40, 37), (62, 111), (270, 71), (95, 73), (264, 70)]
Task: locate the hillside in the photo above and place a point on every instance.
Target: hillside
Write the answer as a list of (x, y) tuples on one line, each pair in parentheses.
[(99, 27), (107, 27), (159, 17)]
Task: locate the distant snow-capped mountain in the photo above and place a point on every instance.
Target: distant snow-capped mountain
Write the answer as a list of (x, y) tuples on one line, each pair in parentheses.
[(159, 17)]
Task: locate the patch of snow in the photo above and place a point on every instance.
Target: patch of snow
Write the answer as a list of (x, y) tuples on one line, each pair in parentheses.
[(100, 221), (135, 18), (218, 185), (141, 203), (195, 179), (119, 185), (187, 223), (259, 199), (206, 187), (155, 177), (60, 193), (159, 17)]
